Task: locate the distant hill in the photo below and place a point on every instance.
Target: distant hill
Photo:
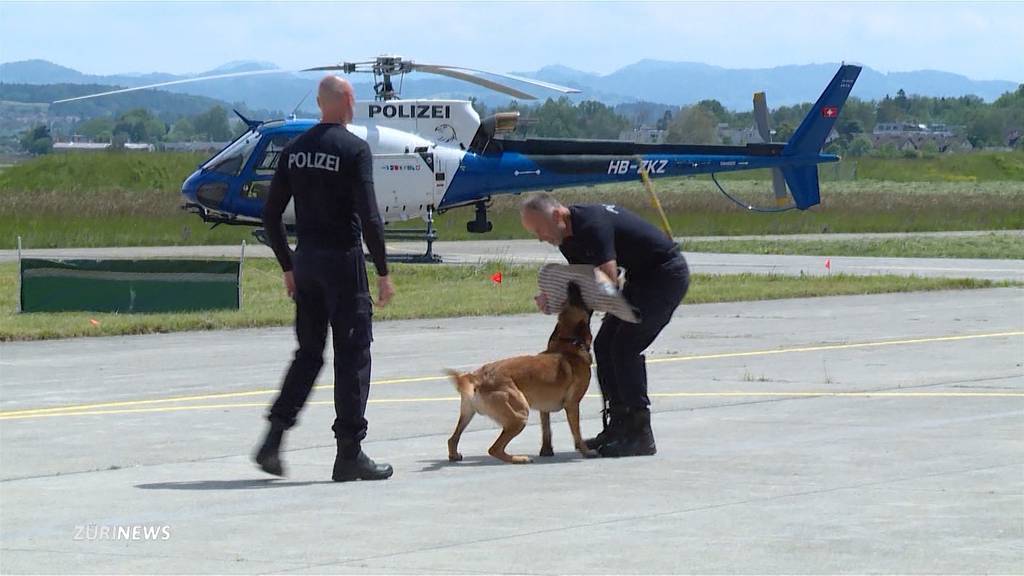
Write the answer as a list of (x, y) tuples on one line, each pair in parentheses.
[(261, 92), (682, 83), (23, 106), (164, 105), (672, 83)]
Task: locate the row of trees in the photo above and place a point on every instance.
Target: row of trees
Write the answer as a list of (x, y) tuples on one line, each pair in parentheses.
[(563, 119), (981, 123), (37, 140), (139, 125)]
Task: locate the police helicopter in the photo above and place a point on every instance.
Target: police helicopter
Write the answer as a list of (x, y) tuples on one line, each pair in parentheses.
[(432, 155)]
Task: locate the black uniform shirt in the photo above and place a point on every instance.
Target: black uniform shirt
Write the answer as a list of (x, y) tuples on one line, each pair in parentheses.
[(603, 232), (329, 173)]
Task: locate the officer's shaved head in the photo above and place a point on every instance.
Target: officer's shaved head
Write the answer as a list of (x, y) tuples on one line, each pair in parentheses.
[(336, 99), (541, 202), (545, 217)]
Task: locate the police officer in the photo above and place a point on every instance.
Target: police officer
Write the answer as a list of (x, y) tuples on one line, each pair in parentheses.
[(607, 236), (329, 173)]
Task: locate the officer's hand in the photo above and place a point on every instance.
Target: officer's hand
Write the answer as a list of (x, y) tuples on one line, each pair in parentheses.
[(604, 283), (289, 284), (385, 290), (542, 302)]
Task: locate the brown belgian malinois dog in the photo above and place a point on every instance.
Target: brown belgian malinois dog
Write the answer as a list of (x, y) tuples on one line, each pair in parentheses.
[(556, 379)]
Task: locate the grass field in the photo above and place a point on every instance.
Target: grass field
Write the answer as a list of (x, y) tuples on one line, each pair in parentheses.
[(972, 167), (1010, 246), (126, 199), (424, 292), (92, 172), (695, 208)]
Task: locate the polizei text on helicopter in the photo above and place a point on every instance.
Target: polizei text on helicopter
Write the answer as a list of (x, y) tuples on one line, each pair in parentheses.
[(410, 110)]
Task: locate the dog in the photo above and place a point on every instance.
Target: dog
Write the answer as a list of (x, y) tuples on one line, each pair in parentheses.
[(556, 379)]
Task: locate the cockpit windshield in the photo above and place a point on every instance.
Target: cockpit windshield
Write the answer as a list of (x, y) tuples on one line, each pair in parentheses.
[(232, 158)]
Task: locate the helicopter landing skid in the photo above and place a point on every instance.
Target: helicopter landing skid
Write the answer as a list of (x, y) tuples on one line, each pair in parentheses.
[(428, 258), (429, 234)]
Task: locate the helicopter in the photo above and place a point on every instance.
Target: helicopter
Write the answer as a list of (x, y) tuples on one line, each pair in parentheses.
[(434, 155)]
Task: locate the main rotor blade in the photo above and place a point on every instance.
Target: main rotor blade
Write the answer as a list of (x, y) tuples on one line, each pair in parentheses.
[(176, 82), (548, 85), (346, 67), (542, 84), (474, 79)]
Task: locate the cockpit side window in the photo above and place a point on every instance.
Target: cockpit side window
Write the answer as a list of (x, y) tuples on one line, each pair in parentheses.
[(231, 159), (268, 162)]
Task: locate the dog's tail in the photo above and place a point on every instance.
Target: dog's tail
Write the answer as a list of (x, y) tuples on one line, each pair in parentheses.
[(464, 383)]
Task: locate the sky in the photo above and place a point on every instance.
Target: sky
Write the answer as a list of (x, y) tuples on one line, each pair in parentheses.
[(981, 40)]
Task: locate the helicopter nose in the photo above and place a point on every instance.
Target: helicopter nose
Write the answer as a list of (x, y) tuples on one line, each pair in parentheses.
[(189, 187)]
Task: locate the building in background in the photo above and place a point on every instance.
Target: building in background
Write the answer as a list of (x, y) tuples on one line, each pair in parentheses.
[(644, 135), (907, 136)]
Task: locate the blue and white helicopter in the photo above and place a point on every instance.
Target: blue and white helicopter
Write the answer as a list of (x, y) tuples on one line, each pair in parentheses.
[(434, 155)]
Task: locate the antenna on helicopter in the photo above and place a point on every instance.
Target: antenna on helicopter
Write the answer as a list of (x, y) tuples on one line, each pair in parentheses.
[(295, 110)]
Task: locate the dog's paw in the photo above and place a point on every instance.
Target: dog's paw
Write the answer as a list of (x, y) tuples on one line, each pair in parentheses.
[(588, 453), (547, 451), (521, 460), (456, 457)]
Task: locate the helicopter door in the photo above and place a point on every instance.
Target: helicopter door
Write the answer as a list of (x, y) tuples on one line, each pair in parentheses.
[(258, 188), (404, 185)]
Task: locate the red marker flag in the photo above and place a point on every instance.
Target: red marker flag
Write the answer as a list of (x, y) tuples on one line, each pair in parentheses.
[(496, 277), (828, 264)]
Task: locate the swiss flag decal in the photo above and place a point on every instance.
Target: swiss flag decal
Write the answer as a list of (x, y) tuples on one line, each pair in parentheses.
[(829, 111)]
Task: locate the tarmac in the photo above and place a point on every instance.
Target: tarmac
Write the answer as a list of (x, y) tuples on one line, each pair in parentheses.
[(855, 434), (531, 251)]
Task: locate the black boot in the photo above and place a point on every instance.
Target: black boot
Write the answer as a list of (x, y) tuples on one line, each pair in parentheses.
[(268, 457), (352, 463), (635, 438), (611, 418)]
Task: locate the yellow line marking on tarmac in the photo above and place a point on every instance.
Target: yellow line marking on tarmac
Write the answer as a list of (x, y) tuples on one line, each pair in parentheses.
[(91, 408), (192, 398), (880, 394), (826, 347), (741, 394)]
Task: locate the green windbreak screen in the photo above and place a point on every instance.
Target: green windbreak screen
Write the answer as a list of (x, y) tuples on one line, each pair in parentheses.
[(128, 285)]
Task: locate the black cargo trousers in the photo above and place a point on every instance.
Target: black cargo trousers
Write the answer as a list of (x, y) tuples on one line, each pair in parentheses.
[(330, 288), (619, 345)]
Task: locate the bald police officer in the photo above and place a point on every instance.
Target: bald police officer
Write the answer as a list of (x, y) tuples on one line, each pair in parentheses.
[(329, 173), (657, 278)]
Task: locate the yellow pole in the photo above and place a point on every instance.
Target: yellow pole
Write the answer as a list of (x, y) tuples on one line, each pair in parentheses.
[(649, 186)]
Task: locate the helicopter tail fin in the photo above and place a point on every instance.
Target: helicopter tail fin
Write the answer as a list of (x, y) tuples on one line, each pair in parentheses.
[(810, 136), (802, 182)]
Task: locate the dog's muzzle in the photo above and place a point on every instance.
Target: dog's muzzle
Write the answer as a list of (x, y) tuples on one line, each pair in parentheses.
[(577, 342)]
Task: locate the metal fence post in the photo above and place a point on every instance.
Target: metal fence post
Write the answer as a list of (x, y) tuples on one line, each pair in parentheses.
[(19, 274), (241, 262)]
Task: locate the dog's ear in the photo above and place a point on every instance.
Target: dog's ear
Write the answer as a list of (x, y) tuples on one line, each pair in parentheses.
[(576, 296)]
